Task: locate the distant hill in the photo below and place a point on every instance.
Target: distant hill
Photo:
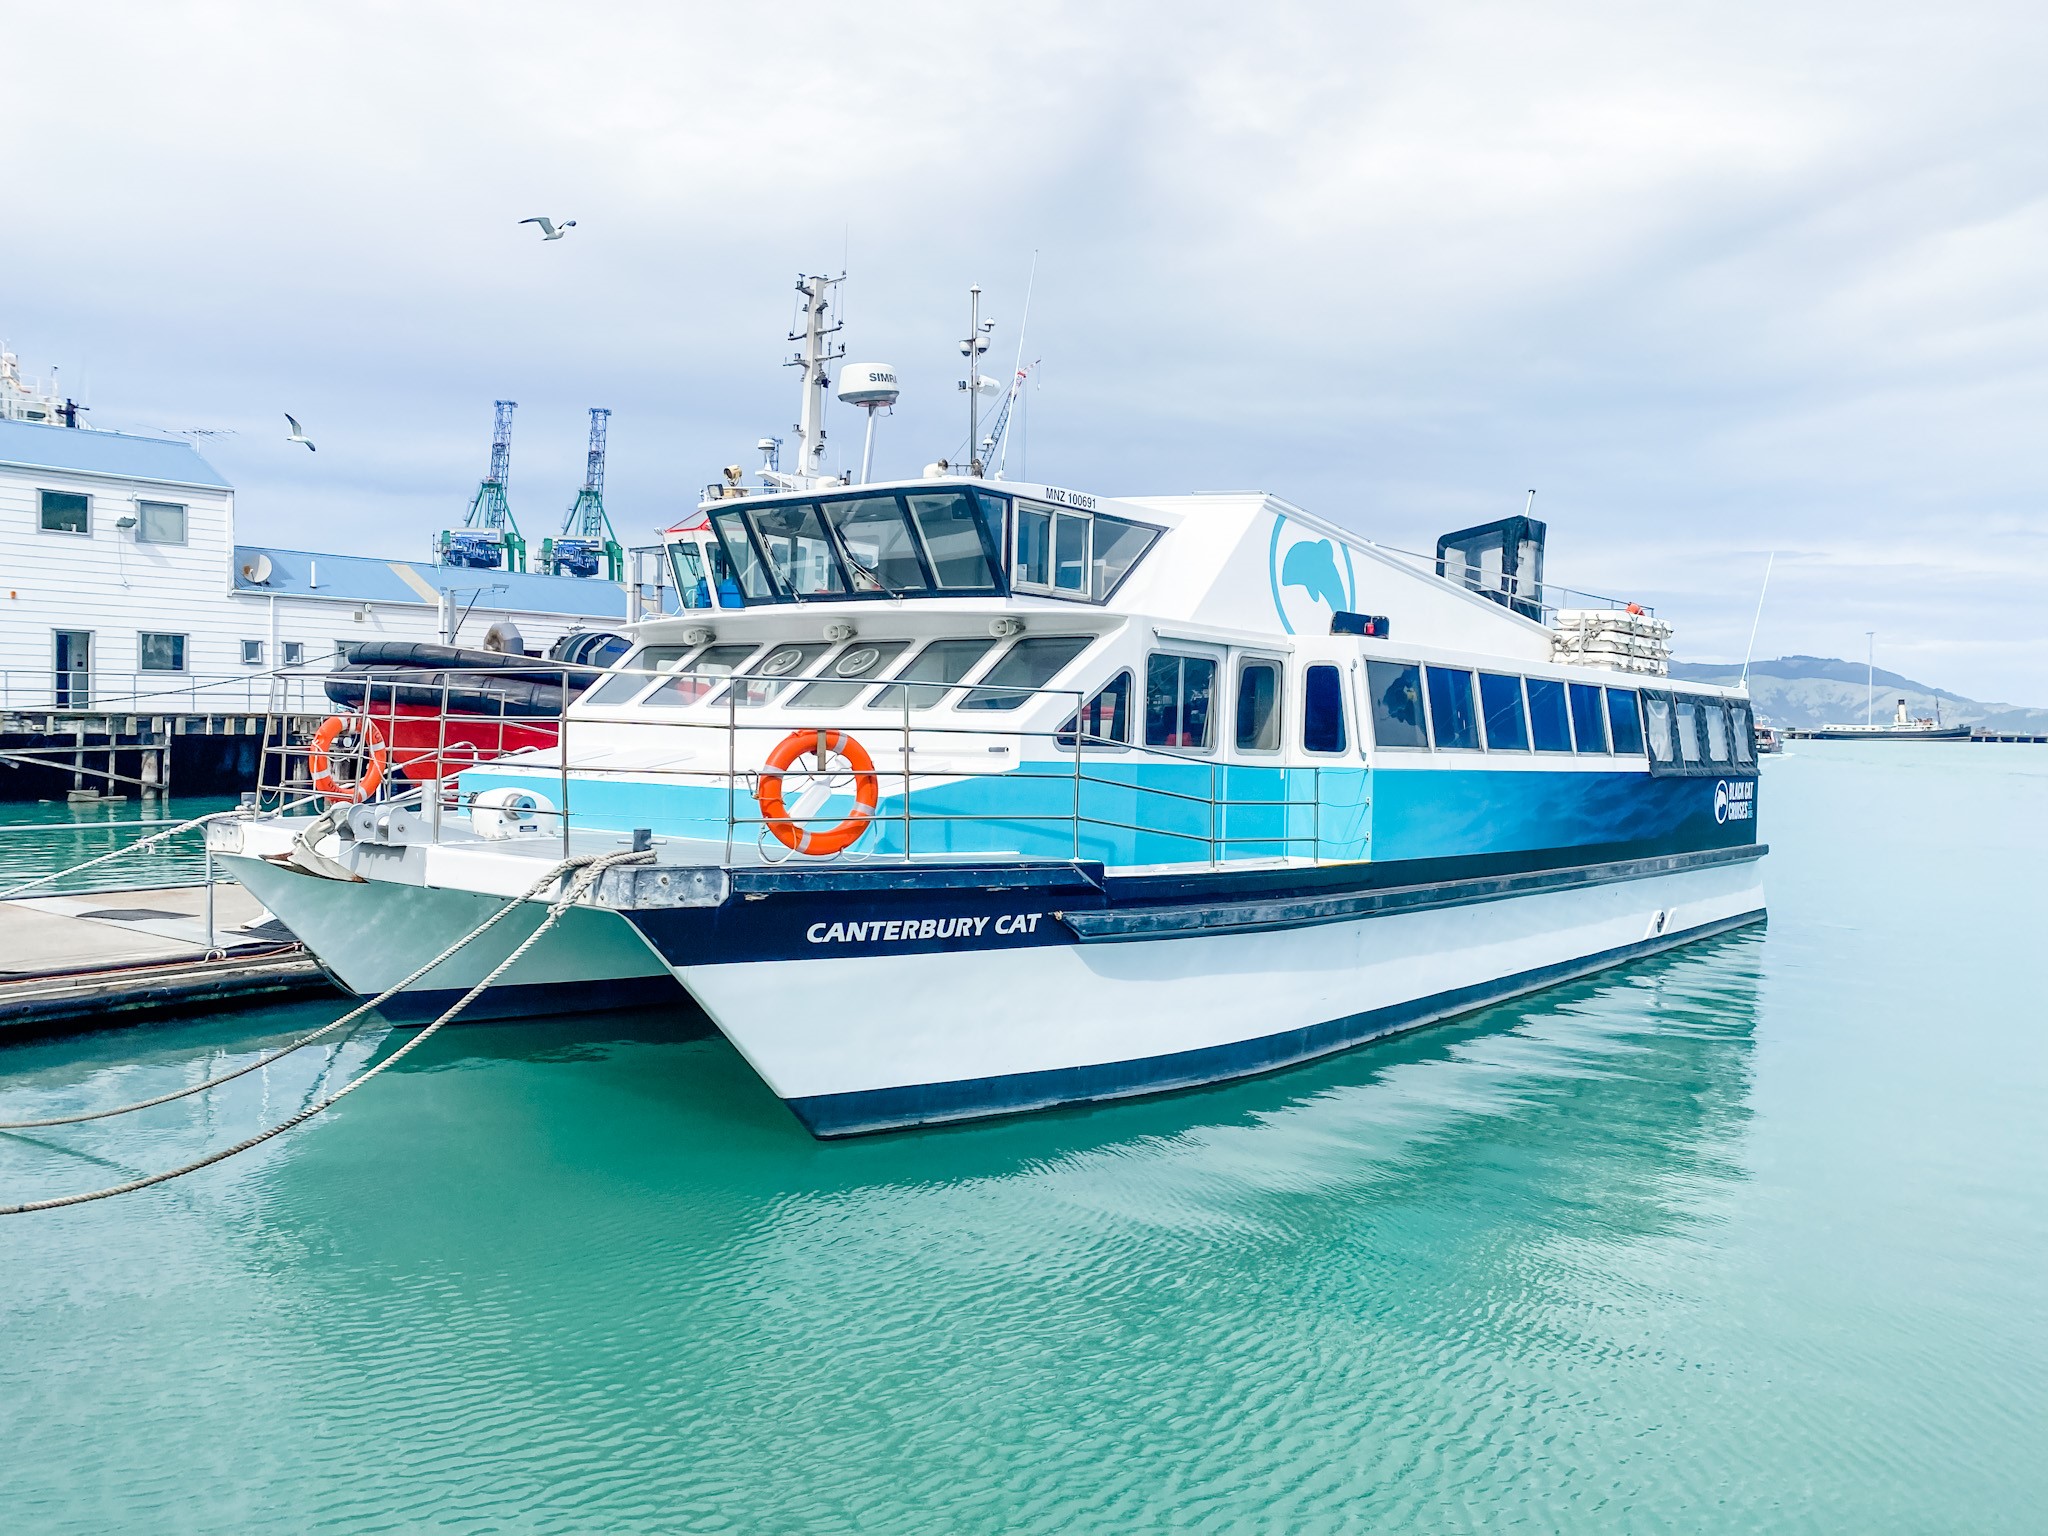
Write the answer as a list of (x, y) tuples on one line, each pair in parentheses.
[(1807, 691)]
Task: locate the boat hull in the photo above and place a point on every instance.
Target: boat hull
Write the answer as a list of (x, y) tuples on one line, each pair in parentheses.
[(875, 1042)]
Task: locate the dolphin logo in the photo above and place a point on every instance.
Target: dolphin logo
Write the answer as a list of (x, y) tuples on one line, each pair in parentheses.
[(1312, 566)]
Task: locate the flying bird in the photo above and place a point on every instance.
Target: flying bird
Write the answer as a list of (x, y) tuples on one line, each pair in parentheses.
[(549, 229), (299, 433)]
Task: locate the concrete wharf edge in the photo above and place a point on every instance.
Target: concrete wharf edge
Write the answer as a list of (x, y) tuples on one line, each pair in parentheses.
[(75, 1001)]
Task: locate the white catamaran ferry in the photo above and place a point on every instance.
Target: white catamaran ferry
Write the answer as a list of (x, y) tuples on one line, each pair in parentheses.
[(963, 796)]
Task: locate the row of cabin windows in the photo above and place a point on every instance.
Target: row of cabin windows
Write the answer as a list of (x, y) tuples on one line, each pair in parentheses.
[(1180, 713), (791, 674), (1457, 709), (156, 522)]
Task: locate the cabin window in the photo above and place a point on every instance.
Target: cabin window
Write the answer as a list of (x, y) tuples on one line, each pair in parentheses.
[(1119, 545), (1027, 666), (65, 512), (687, 562), (794, 540), (159, 653), (1396, 691), (159, 522), (1550, 721), (1589, 719), (1715, 717), (1177, 694), (649, 658), (773, 673), (1105, 718), (1322, 710), (252, 653), (848, 674), (1258, 706), (931, 673), (1453, 721), (1624, 722), (1075, 554), (1740, 727), (1657, 726), (1686, 715), (881, 550), (692, 682), (953, 538), (1500, 702), (294, 653)]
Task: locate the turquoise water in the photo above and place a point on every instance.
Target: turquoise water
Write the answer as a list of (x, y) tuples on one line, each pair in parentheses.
[(1749, 1237), (40, 836)]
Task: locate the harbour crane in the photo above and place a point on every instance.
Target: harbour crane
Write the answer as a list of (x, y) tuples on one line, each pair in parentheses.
[(489, 538), (587, 540)]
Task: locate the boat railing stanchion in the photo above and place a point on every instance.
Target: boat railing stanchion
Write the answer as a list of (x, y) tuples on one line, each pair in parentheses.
[(440, 760), (561, 753), (903, 696), (732, 770), (1080, 725)]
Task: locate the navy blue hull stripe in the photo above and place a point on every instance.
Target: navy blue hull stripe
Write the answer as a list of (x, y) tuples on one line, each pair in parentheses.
[(887, 1109), (1116, 926)]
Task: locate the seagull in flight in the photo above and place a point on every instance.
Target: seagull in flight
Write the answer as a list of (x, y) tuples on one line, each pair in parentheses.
[(549, 229), (299, 433)]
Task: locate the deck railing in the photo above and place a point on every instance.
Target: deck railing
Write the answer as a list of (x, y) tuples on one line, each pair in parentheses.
[(945, 785), (92, 691)]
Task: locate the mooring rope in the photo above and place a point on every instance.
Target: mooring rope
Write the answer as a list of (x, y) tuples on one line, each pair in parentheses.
[(591, 866), (141, 843), (512, 904)]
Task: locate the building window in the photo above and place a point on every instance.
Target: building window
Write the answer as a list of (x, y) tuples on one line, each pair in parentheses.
[(160, 653), (1177, 694), (294, 653), (252, 653), (66, 512), (1322, 710), (161, 522), (1258, 706)]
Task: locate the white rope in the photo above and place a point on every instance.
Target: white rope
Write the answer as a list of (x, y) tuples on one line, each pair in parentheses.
[(592, 868), (141, 843), (511, 904)]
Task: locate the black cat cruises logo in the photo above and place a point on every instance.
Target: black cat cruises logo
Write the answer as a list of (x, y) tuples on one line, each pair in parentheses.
[(1735, 802)]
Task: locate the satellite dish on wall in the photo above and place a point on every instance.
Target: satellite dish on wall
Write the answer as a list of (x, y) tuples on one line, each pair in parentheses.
[(256, 570)]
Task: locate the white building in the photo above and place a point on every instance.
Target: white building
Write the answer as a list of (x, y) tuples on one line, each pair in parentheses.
[(120, 579)]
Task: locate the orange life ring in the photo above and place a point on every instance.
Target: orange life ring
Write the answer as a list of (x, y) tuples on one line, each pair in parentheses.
[(867, 790), (321, 764)]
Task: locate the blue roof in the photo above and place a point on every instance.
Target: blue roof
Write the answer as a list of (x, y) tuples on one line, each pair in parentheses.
[(362, 579), (30, 445)]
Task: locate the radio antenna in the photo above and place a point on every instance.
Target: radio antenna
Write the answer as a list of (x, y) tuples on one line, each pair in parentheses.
[(1000, 450), (1753, 623)]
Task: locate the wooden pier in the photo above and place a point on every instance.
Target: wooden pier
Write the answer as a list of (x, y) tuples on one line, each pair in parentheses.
[(87, 754)]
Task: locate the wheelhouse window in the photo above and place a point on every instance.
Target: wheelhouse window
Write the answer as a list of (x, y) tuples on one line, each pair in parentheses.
[(1322, 710), (774, 672), (1624, 720), (1500, 704), (1065, 552), (699, 676), (1258, 706), (952, 525), (931, 673), (1178, 690), (799, 552), (749, 571), (1453, 721), (1395, 688), (649, 658), (846, 676), (1030, 664), (703, 575), (159, 522), (65, 512), (1105, 720), (1589, 719), (881, 550), (159, 653), (1550, 721)]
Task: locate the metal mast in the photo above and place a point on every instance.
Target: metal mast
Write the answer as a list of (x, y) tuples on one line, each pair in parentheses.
[(972, 348), (817, 355)]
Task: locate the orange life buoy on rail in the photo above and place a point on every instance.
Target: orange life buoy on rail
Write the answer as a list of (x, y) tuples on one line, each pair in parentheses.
[(867, 790), (319, 757)]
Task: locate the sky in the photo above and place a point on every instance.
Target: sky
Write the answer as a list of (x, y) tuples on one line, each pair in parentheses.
[(1726, 285)]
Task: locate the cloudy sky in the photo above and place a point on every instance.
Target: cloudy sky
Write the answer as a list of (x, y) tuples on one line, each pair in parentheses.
[(1715, 280)]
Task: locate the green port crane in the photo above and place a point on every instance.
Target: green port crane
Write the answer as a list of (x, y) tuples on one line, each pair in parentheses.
[(489, 538), (587, 540)]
